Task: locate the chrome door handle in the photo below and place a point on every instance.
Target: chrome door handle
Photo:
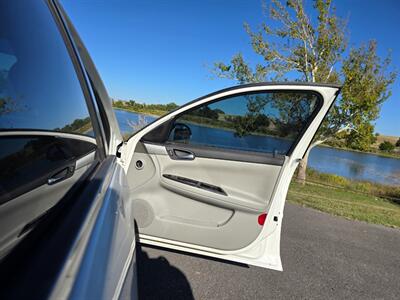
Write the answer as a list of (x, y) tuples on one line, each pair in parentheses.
[(182, 154)]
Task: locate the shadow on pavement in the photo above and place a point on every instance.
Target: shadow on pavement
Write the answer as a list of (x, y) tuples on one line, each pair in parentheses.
[(158, 279)]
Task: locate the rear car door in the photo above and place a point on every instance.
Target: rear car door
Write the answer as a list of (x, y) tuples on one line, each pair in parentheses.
[(212, 176)]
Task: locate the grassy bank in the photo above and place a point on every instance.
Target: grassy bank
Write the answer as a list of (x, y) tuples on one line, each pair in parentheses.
[(363, 201), (372, 151), (363, 187)]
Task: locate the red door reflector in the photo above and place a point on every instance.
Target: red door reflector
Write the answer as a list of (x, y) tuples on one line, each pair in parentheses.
[(261, 219)]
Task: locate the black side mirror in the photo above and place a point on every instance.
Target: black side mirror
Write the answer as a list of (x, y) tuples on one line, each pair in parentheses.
[(181, 132)]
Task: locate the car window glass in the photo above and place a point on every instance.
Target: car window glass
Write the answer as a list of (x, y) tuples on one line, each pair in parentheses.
[(264, 122), (40, 99), (39, 88)]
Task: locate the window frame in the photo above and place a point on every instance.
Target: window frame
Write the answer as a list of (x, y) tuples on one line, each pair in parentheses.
[(165, 132)]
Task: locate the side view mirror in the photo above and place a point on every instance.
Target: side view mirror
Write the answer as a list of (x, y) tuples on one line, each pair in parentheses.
[(181, 132)]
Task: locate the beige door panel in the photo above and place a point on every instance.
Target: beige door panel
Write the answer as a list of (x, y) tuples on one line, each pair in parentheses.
[(250, 193), (138, 176), (172, 210)]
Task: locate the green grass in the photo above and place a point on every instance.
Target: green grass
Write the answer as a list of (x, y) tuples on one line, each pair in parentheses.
[(346, 203)]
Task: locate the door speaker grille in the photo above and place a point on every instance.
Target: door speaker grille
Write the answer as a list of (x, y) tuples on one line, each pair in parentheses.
[(143, 213)]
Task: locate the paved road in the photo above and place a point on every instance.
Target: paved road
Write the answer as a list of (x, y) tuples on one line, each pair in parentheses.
[(323, 257)]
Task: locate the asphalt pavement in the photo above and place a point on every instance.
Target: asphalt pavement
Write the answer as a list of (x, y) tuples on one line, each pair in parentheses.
[(323, 256)]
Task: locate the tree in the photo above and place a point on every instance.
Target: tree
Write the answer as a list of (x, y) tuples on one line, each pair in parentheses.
[(398, 143), (3, 106), (315, 52), (8, 104), (365, 88), (386, 146)]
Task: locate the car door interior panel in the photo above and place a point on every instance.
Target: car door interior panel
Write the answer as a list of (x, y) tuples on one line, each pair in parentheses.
[(187, 211)]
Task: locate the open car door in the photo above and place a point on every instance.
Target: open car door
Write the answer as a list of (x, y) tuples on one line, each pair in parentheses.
[(212, 176)]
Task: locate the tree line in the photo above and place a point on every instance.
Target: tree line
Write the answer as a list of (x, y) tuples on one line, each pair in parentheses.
[(143, 107)]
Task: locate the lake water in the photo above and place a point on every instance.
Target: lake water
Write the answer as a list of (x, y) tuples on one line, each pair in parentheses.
[(353, 165)]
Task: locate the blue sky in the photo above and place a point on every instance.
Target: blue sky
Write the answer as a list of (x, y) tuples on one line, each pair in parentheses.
[(162, 51)]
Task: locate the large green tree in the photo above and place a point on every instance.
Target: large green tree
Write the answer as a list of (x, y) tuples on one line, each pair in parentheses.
[(295, 47)]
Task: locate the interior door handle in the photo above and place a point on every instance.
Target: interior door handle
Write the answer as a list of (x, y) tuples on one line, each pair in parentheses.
[(180, 154), (61, 175)]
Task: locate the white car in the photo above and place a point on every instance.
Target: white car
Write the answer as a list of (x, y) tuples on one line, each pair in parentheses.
[(209, 178)]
